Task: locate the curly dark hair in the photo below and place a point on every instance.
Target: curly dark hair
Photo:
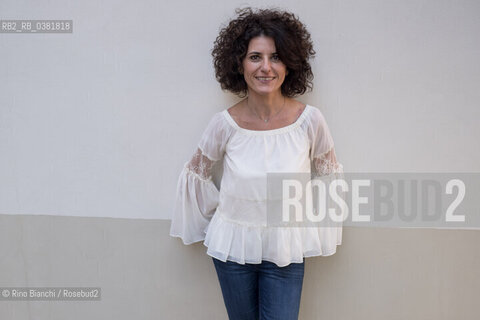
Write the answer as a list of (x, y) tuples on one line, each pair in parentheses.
[(292, 42)]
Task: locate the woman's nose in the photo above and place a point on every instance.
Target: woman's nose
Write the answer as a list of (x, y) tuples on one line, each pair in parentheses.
[(266, 65)]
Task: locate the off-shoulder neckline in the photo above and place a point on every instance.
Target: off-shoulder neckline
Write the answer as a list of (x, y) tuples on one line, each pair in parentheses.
[(271, 131)]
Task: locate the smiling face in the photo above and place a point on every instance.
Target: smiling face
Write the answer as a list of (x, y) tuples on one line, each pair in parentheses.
[(263, 70)]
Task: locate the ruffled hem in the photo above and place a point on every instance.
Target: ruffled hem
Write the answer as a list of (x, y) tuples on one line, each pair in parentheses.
[(227, 240)]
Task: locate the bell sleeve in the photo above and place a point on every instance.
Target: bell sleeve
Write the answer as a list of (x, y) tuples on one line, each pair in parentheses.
[(327, 169), (197, 196)]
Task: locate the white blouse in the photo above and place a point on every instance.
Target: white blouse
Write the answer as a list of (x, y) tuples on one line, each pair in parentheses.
[(232, 220)]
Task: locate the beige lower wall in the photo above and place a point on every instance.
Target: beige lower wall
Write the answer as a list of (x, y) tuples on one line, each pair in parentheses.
[(145, 274)]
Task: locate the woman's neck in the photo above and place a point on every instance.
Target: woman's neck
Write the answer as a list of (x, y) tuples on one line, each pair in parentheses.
[(265, 106)]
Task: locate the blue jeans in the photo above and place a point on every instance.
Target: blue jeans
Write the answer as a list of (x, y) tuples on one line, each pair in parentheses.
[(262, 291)]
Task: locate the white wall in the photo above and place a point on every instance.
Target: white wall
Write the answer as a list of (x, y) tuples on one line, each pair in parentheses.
[(99, 122)]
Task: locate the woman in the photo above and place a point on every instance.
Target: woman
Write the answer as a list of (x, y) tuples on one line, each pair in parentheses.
[(263, 55)]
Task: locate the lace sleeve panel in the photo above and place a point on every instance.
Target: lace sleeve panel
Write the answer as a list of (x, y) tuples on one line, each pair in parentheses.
[(201, 165), (326, 164)]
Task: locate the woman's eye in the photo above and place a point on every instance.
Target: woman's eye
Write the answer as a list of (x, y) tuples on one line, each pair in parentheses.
[(256, 57)]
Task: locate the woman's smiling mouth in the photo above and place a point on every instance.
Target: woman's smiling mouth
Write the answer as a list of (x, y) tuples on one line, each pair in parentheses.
[(265, 79)]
